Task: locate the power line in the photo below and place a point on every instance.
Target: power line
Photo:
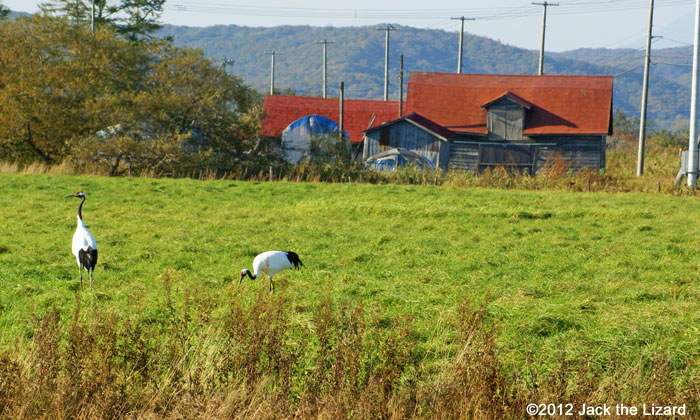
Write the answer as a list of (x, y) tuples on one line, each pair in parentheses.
[(490, 13), (672, 64), (678, 42), (627, 71), (625, 39), (616, 61), (641, 66)]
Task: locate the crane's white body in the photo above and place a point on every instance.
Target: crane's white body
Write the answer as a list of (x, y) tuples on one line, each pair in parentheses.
[(84, 245), (82, 239), (271, 263)]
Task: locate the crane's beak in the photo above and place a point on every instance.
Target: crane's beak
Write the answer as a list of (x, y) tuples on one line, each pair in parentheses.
[(69, 196)]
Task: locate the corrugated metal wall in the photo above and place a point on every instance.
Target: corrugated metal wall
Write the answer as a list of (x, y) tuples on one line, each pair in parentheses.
[(405, 135)]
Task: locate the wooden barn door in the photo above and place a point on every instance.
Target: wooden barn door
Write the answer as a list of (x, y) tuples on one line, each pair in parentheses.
[(509, 156)]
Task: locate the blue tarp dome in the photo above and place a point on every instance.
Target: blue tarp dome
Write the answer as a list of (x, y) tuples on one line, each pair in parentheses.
[(296, 138)]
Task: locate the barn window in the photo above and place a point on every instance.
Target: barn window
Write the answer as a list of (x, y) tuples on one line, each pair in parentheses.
[(506, 117), (506, 122), (384, 136)]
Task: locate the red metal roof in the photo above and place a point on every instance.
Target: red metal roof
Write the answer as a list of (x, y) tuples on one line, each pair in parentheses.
[(423, 122), (282, 110), (560, 104)]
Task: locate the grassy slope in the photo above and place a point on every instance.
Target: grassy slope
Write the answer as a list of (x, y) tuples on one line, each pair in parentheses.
[(594, 274)]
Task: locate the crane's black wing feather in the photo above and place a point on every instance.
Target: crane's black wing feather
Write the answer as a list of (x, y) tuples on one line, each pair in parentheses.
[(88, 258), (294, 259)]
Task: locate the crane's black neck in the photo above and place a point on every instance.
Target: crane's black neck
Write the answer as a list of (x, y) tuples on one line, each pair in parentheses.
[(252, 276), (80, 208)]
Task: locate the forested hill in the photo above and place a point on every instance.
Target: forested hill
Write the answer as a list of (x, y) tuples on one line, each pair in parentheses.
[(15, 15), (357, 58)]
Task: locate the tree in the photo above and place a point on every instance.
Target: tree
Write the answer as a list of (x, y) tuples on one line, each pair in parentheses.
[(625, 125), (141, 18), (4, 11), (136, 20), (98, 99), (77, 11), (667, 138)]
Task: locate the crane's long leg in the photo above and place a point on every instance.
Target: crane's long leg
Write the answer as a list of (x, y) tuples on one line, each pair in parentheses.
[(272, 287), (80, 270), (90, 280)]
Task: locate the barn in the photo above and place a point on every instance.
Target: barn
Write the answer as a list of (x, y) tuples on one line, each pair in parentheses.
[(516, 121), (475, 121)]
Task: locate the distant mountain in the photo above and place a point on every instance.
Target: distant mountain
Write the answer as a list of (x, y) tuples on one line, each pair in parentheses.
[(15, 15), (357, 58)]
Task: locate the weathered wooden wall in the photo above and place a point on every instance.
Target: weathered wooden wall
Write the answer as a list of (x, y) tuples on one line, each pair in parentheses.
[(581, 152)]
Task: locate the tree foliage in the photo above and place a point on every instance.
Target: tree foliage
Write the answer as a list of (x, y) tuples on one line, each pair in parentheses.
[(4, 11), (622, 124), (98, 99), (134, 19)]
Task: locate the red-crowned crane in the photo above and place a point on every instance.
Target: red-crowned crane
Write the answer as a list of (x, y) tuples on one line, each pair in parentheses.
[(84, 245), (272, 262)]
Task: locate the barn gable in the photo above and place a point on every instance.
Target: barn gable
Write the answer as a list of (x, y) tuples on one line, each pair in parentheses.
[(505, 118), (412, 132)]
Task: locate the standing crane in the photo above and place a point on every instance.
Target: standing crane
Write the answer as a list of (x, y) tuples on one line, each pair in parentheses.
[(84, 245), (272, 262)]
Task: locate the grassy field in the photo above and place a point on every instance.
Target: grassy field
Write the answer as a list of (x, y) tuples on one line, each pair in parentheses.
[(583, 276)]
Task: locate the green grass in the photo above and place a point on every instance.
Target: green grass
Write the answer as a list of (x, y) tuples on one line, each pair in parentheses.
[(596, 275)]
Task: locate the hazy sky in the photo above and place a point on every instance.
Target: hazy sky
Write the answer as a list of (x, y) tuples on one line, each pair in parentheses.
[(573, 24)]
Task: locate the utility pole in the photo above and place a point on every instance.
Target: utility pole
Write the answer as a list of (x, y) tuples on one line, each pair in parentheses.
[(388, 29), (401, 84), (226, 62), (325, 65), (272, 70), (693, 135), (341, 98), (461, 41), (645, 94), (92, 27), (544, 25)]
